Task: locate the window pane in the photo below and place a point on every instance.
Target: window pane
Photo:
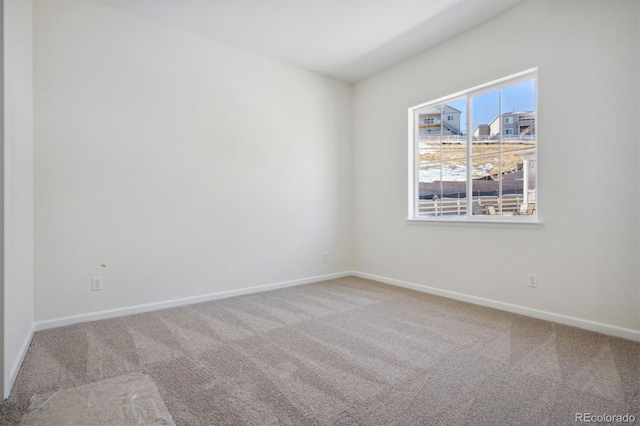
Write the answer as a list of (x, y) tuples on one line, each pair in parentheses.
[(443, 159), (519, 185), (518, 110), (485, 152), (519, 107), (485, 120), (486, 184), (429, 159), (454, 185), (454, 121), (453, 200)]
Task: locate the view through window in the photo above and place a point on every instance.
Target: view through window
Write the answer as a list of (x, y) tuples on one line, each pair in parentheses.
[(474, 153)]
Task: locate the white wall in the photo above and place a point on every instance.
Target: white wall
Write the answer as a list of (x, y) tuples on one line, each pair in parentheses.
[(185, 166), (18, 184), (2, 203), (586, 253)]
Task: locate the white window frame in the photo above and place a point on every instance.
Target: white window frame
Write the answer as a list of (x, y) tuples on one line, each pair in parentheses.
[(508, 120), (414, 186), (449, 117), (510, 131)]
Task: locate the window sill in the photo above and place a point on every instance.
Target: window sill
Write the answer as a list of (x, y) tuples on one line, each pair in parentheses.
[(529, 222)]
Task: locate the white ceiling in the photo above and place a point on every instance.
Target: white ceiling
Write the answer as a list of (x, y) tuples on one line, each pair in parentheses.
[(345, 39)]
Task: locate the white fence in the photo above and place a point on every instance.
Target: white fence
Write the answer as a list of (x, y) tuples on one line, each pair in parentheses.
[(462, 139), (511, 205)]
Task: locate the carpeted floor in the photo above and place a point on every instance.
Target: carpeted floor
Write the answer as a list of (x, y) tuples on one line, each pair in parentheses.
[(346, 351)]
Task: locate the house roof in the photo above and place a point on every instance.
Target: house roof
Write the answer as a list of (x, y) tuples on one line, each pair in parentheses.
[(448, 110), (510, 113)]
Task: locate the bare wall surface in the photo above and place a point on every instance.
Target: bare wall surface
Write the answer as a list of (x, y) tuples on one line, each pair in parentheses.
[(184, 166), (586, 253), (18, 183)]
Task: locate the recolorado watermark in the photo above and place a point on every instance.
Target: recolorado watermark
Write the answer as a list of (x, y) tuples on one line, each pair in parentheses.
[(604, 418)]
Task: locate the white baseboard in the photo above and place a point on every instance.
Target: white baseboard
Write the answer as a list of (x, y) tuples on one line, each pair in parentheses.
[(612, 330), (130, 310), (10, 379)]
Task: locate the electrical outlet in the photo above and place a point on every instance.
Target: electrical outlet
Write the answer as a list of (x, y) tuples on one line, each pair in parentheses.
[(325, 257), (96, 283), (533, 280)]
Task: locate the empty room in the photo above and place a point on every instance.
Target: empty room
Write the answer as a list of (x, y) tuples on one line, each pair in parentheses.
[(316, 212)]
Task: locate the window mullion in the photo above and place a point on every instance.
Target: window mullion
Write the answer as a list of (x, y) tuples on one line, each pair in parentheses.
[(441, 161), (416, 165), (500, 127), (469, 165)]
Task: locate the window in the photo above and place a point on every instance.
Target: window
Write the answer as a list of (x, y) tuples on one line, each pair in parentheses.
[(430, 120), (477, 175), (449, 117)]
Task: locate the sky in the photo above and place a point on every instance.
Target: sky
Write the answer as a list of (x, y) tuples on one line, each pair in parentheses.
[(485, 107)]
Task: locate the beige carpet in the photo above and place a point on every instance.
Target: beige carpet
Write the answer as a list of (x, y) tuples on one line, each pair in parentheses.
[(347, 351), (130, 399)]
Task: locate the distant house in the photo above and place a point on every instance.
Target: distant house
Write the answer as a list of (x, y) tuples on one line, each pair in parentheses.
[(436, 122), (514, 124), (482, 130)]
